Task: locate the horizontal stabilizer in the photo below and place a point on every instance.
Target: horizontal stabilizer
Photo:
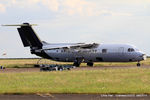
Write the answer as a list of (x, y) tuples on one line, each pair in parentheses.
[(25, 24)]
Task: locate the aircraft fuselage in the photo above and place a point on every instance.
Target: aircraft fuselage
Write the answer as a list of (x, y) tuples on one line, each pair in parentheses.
[(102, 53)]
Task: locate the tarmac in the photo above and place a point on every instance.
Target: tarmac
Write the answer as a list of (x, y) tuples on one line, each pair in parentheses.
[(74, 97)]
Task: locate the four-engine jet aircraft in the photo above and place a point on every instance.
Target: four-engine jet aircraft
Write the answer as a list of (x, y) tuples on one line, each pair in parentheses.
[(78, 52)]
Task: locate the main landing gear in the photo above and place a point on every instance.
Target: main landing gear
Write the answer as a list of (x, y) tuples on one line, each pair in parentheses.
[(77, 64), (90, 64), (138, 64), (78, 61)]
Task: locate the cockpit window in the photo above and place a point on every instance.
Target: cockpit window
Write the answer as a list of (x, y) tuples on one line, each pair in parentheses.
[(131, 50), (136, 49)]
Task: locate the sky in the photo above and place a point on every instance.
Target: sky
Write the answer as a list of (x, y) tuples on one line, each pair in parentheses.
[(74, 21)]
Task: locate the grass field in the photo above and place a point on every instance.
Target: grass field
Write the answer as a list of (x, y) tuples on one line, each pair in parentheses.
[(133, 80), (109, 81), (25, 63), (30, 63)]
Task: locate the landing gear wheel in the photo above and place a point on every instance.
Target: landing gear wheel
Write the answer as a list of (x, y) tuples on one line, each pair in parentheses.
[(76, 64), (78, 61), (90, 64), (138, 64)]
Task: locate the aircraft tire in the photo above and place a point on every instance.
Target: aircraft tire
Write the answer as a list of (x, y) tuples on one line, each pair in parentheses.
[(76, 64), (90, 64), (138, 64)]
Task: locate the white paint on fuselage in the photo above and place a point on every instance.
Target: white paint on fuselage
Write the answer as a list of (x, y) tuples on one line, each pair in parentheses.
[(112, 53)]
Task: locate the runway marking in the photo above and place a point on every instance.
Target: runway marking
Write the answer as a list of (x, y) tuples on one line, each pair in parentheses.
[(45, 95)]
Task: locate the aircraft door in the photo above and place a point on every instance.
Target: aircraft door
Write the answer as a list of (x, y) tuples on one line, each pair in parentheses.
[(121, 50), (122, 54)]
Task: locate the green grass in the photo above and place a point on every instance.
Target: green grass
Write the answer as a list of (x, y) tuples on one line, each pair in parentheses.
[(25, 63), (132, 80)]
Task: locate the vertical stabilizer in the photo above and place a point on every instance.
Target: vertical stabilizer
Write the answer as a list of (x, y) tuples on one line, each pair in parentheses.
[(28, 36)]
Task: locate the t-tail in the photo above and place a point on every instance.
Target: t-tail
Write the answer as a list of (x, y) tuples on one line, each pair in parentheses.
[(30, 39), (28, 36)]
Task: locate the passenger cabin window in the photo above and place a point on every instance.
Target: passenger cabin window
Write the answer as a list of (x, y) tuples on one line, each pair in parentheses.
[(104, 50), (131, 50), (94, 51)]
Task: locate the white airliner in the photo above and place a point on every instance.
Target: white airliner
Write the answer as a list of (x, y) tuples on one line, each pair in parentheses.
[(78, 52)]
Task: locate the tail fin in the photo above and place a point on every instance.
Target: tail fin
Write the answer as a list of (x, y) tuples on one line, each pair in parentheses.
[(28, 36)]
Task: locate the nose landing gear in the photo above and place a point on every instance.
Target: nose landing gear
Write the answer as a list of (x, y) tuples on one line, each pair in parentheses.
[(138, 64)]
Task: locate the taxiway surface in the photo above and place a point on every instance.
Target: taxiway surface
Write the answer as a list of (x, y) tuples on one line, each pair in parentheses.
[(72, 97)]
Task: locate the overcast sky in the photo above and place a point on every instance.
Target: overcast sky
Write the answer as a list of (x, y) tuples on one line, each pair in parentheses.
[(72, 21)]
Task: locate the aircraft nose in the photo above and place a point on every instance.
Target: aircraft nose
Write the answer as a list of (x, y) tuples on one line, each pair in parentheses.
[(142, 56)]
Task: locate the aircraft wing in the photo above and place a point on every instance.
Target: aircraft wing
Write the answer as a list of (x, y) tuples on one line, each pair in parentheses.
[(85, 46), (70, 46)]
